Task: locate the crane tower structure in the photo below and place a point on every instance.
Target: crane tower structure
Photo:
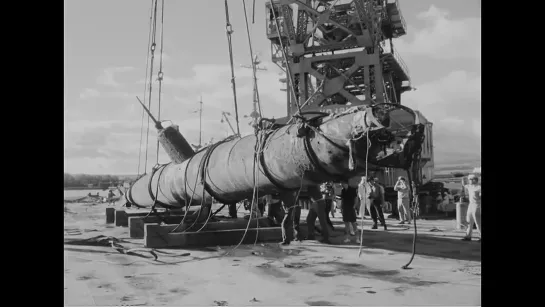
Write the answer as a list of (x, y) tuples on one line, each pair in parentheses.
[(339, 54)]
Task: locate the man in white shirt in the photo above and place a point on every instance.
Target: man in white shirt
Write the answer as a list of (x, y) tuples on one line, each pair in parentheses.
[(365, 203), (402, 189), (474, 209)]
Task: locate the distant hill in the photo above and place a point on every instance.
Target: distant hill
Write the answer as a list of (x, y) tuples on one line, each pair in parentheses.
[(127, 177)]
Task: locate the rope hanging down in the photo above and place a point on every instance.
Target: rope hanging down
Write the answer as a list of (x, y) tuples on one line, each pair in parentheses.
[(160, 75), (152, 50), (414, 168), (145, 91), (229, 31), (288, 70)]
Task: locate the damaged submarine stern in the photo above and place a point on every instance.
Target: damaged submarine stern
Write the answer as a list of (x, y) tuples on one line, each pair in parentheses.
[(312, 150)]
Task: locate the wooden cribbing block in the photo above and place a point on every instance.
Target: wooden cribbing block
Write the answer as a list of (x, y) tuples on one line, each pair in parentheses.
[(136, 223), (110, 215), (122, 219), (154, 239), (163, 230), (211, 226)]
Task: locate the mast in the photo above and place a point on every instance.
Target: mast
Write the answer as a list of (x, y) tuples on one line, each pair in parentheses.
[(255, 112), (200, 124)]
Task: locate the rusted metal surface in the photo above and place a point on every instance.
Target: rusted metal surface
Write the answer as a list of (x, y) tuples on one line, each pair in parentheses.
[(174, 144), (293, 155)]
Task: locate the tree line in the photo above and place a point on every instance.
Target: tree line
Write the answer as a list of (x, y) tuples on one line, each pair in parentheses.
[(83, 180)]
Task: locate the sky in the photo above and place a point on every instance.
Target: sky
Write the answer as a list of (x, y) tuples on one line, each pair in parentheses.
[(105, 49)]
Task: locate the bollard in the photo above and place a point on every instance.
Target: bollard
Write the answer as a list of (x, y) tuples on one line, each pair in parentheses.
[(461, 213)]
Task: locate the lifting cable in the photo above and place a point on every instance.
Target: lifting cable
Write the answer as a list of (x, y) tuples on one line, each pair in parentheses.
[(188, 204), (145, 91), (252, 59), (255, 194), (203, 168), (253, 12), (288, 70), (229, 31), (366, 187), (152, 49), (415, 165), (160, 77)]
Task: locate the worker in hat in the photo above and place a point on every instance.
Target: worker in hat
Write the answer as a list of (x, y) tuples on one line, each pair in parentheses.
[(473, 189), (402, 189)]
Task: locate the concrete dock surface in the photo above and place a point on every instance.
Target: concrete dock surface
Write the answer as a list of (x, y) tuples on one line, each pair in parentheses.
[(445, 270)]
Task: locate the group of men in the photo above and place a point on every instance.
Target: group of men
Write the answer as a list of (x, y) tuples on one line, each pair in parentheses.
[(371, 196)]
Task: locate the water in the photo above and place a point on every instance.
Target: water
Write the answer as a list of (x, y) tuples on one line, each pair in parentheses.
[(83, 193)]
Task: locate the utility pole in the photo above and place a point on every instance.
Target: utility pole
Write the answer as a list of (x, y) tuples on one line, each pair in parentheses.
[(200, 124), (199, 146), (255, 113)]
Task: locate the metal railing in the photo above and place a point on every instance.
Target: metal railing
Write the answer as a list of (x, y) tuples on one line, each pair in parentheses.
[(404, 66), (398, 58), (403, 23)]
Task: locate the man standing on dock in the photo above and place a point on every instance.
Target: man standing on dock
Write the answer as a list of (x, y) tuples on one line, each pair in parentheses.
[(292, 215), (376, 196), (403, 200), (474, 209), (111, 198), (365, 203), (232, 210), (326, 189), (317, 210), (274, 208)]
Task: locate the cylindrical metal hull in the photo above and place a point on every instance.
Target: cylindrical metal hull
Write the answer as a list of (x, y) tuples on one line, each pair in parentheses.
[(288, 161)]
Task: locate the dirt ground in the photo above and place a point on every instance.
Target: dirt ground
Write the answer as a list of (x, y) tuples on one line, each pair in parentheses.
[(445, 270)]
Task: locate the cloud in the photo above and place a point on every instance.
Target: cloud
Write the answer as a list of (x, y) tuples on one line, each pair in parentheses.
[(107, 76), (112, 133), (89, 93), (445, 96), (213, 82), (453, 104), (477, 127), (443, 37), (452, 123)]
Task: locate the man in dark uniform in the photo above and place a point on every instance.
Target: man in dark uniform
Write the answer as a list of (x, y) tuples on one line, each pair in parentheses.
[(376, 196), (232, 210), (274, 208), (292, 215), (317, 210), (327, 191)]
